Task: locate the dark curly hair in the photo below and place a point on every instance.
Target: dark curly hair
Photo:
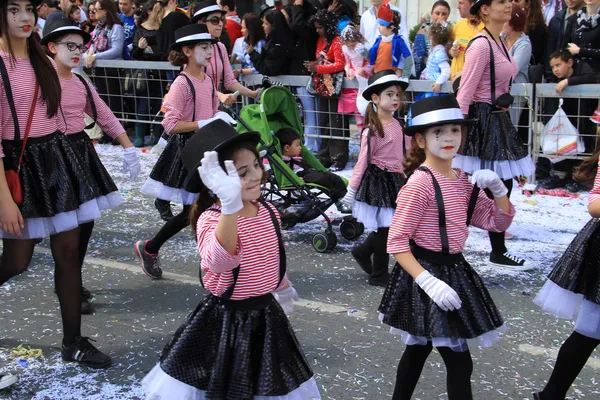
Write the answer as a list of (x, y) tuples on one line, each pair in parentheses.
[(329, 20)]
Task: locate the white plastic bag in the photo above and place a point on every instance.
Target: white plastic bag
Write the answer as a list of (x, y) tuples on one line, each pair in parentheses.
[(560, 137), (361, 103)]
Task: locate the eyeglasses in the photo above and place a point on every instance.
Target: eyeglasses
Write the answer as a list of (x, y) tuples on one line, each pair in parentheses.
[(91, 11), (217, 20), (74, 46)]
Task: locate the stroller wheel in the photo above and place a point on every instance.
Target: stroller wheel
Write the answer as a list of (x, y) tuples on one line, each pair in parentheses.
[(351, 229), (320, 242)]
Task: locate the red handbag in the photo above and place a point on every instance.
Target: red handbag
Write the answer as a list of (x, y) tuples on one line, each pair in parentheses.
[(12, 177)]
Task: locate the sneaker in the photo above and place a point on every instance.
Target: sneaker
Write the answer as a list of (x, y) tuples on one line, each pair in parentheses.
[(380, 280), (337, 166), (85, 294), (573, 187), (342, 208), (164, 209), (83, 352), (536, 396), (86, 307), (509, 261), (508, 235), (363, 259), (7, 380), (554, 182), (150, 262)]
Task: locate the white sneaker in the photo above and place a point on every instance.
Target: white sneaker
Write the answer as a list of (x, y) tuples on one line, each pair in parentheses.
[(159, 147), (7, 380)]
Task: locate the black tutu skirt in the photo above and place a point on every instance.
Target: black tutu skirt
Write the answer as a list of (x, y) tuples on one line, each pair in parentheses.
[(233, 350), (380, 187), (169, 169), (412, 314), (572, 290), (493, 143)]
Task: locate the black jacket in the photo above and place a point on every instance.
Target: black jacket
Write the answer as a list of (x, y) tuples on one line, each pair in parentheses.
[(556, 29), (588, 41), (538, 37), (305, 43), (273, 60), (166, 33)]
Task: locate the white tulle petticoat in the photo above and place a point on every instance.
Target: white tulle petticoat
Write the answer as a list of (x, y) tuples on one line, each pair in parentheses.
[(161, 386), (372, 217), (505, 169), (158, 189), (39, 228)]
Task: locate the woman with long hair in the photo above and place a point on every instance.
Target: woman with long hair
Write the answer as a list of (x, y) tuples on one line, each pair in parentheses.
[(535, 28), (51, 192), (274, 59), (90, 24), (253, 35)]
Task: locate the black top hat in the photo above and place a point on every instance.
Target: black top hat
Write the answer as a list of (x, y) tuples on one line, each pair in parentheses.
[(435, 111), (189, 34), (204, 8), (62, 27), (216, 136), (477, 5), (382, 80)]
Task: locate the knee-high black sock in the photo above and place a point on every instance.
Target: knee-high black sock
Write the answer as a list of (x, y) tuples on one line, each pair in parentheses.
[(381, 258), (85, 233), (497, 239), (16, 256), (169, 229), (459, 367), (572, 356), (409, 370)]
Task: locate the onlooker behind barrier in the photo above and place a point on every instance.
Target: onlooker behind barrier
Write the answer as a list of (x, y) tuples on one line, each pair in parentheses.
[(568, 71), (369, 27), (346, 10), (557, 29), (145, 48), (253, 34), (219, 69), (275, 56), (464, 31), (128, 20), (91, 22), (74, 13), (224, 37), (333, 152), (536, 28), (172, 20), (107, 44), (52, 10), (440, 11), (582, 37), (233, 25), (519, 47)]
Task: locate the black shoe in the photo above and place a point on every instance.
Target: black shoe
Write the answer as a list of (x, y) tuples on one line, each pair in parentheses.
[(86, 307), (150, 262), (342, 208), (164, 209), (84, 353), (536, 396), (324, 161), (573, 187), (380, 280), (509, 261), (363, 258), (554, 182), (85, 294), (337, 166)]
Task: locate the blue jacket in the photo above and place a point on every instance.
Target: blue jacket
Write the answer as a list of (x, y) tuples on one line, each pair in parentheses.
[(400, 51)]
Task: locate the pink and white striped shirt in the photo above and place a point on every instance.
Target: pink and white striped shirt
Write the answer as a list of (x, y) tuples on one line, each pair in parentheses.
[(179, 102), (216, 68), (22, 82), (386, 152), (75, 102), (417, 215), (257, 255), (475, 81), (595, 192)]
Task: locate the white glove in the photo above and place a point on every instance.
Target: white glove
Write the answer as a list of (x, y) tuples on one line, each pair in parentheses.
[(225, 185), (439, 291), (350, 197), (486, 179), (160, 146), (131, 163), (286, 298), (225, 117)]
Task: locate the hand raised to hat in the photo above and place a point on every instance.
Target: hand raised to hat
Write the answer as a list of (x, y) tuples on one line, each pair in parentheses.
[(226, 185)]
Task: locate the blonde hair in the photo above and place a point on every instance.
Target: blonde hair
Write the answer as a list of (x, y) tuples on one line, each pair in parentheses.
[(158, 13)]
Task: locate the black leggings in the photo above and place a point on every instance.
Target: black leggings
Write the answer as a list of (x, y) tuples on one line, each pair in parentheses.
[(170, 229), (459, 367), (572, 356), (497, 238), (16, 257)]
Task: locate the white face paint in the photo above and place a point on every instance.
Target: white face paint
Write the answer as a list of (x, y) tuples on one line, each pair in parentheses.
[(20, 18), (69, 58), (389, 99), (443, 141), (202, 53), (250, 170)]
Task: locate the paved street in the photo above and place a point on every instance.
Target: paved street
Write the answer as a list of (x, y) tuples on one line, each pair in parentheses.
[(352, 354)]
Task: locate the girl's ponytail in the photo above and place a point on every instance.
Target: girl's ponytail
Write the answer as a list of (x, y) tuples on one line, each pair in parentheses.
[(372, 120), (586, 172), (416, 157), (203, 203)]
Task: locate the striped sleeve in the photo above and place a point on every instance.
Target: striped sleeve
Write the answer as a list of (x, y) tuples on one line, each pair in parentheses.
[(595, 193), (412, 201), (361, 165), (176, 101), (212, 255), (106, 120), (487, 215)]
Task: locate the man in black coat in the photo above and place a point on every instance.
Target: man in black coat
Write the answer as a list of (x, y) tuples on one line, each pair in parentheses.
[(557, 29)]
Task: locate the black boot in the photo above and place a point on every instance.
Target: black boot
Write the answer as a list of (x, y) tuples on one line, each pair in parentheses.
[(381, 259), (164, 209), (362, 253)]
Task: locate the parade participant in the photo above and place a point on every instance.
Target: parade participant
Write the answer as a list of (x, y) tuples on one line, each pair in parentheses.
[(572, 291), (64, 42), (434, 298), (190, 104), (493, 142), (237, 343), (378, 174), (45, 188)]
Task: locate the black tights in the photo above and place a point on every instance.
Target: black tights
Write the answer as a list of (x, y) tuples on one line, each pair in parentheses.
[(16, 257), (169, 229), (85, 233), (572, 356), (459, 367), (497, 238)]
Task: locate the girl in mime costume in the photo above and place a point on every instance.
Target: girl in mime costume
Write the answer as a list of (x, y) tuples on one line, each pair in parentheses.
[(190, 104), (65, 42), (572, 291), (434, 298), (237, 343)]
